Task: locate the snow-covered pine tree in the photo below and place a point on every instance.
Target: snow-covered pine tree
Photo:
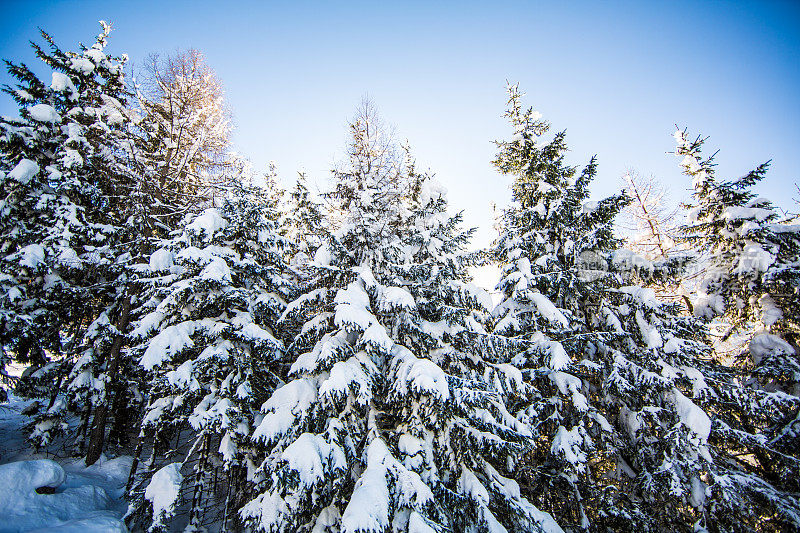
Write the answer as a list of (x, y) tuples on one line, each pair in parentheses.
[(479, 440), (304, 223), (618, 382), (391, 421), (751, 281), (548, 239), (751, 276), (63, 173), (205, 336)]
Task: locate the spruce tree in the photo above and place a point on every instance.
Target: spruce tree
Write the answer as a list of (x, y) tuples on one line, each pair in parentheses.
[(63, 166), (550, 240), (304, 223), (390, 421), (751, 274), (206, 337), (620, 390), (749, 282)]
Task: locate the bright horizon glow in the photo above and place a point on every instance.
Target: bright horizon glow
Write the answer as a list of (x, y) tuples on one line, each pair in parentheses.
[(616, 76)]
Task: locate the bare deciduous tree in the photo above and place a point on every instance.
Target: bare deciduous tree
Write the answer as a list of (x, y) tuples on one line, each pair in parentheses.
[(650, 224), (185, 132), (650, 220)]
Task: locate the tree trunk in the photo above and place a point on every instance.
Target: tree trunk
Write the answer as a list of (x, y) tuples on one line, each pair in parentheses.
[(135, 462), (54, 393), (199, 480), (97, 438), (84, 429), (227, 501), (237, 498), (688, 303), (123, 417), (63, 370)]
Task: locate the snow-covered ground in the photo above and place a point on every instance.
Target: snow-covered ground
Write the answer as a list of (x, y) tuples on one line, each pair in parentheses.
[(83, 499)]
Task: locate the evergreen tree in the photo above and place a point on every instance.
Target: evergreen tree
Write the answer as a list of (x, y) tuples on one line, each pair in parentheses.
[(750, 281), (304, 223), (751, 275), (63, 171), (205, 328), (551, 238), (390, 421), (620, 391)]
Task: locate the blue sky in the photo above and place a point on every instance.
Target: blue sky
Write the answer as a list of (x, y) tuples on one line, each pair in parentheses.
[(617, 76)]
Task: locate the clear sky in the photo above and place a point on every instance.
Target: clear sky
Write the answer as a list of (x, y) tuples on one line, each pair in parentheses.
[(617, 76)]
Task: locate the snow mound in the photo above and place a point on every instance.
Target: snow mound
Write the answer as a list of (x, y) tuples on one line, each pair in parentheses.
[(164, 490), (79, 502), (312, 457), (480, 295), (765, 344), (322, 257), (82, 65), (170, 341), (569, 384), (645, 296), (734, 212), (558, 359), (95, 55), (217, 270), (422, 376), (568, 444), (548, 310), (24, 171), (44, 113), (692, 416), (650, 333), (371, 502), (393, 297), (31, 475), (161, 260), (284, 409), (95, 522), (207, 224), (431, 191), (770, 312), (753, 259), (32, 256), (352, 307), (62, 82)]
